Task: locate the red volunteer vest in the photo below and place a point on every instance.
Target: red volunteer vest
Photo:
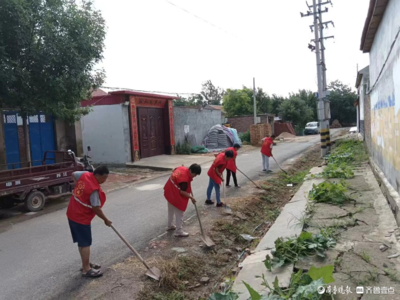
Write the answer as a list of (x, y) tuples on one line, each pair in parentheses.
[(231, 165), (172, 190), (219, 161), (79, 212), (266, 147)]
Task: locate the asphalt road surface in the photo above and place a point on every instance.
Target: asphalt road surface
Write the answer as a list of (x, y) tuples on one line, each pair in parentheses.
[(39, 261)]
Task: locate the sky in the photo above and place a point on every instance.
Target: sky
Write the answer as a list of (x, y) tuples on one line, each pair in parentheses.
[(174, 46)]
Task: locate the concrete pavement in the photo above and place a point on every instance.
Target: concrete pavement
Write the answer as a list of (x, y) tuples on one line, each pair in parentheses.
[(39, 261)]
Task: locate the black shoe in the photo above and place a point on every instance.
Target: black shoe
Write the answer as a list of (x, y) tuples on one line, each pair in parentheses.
[(220, 204), (209, 202)]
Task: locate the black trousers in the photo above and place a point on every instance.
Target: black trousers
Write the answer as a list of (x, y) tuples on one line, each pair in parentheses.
[(228, 177)]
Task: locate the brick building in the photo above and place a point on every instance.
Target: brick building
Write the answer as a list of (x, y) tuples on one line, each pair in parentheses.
[(242, 124)]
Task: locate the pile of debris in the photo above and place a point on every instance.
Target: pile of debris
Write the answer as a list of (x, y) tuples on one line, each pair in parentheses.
[(336, 124)]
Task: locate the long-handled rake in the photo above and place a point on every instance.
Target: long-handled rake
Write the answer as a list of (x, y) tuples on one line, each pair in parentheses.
[(153, 272), (279, 166), (228, 210), (249, 179), (206, 239)]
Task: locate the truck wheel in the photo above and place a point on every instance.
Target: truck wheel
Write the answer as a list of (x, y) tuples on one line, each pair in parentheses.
[(7, 203), (35, 201)]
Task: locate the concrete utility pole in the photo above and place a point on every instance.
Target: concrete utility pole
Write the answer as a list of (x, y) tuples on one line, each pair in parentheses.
[(323, 104), (254, 101)]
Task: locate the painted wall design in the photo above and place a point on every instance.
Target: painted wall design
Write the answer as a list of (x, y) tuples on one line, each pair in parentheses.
[(385, 95)]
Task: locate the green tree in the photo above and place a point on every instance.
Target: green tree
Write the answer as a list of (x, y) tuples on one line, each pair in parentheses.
[(238, 102), (212, 93), (342, 102), (48, 54), (276, 103), (296, 111), (194, 100), (311, 100)]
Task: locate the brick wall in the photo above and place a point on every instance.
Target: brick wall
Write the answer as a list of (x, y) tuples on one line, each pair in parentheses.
[(242, 124), (258, 132)]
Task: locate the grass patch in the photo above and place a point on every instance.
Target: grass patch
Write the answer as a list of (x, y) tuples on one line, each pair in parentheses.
[(180, 269), (365, 257), (348, 151), (295, 178)]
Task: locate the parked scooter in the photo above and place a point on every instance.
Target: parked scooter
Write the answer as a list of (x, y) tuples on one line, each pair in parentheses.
[(84, 161)]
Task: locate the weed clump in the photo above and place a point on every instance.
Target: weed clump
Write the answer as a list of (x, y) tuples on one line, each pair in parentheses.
[(330, 192)]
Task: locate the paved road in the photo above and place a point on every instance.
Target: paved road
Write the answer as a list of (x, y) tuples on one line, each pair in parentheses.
[(39, 261)]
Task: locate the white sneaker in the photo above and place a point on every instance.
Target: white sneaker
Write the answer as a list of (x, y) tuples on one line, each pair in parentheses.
[(181, 233), (171, 228)]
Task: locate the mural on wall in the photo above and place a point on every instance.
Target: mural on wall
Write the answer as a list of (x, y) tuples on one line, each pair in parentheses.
[(385, 115)]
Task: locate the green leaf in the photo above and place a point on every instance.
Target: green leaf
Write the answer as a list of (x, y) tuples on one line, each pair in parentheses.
[(305, 235), (224, 296), (309, 292), (325, 273), (254, 295)]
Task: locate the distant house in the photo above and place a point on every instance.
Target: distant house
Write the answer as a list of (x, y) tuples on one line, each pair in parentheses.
[(362, 86), (125, 126)]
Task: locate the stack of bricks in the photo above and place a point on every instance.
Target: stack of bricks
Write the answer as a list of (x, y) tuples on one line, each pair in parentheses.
[(258, 132)]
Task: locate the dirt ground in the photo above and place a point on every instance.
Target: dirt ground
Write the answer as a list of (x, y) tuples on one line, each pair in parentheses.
[(244, 148), (122, 177), (191, 270)]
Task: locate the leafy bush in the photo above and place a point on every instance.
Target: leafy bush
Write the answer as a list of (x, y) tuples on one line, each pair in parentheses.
[(293, 249), (330, 192), (245, 137), (334, 170), (184, 148)]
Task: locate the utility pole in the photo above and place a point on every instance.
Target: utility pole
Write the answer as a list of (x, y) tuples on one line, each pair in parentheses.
[(254, 101), (323, 104)]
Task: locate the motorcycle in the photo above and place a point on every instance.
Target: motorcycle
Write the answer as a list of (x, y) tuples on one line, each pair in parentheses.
[(84, 161)]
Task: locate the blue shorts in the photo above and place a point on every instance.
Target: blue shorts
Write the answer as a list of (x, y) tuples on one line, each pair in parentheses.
[(81, 234)]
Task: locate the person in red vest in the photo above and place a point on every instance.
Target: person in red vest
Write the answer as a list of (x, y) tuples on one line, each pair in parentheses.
[(178, 191), (215, 174), (231, 166), (266, 152), (86, 202)]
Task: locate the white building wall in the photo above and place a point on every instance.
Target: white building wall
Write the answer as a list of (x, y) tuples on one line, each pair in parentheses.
[(106, 130), (385, 94)]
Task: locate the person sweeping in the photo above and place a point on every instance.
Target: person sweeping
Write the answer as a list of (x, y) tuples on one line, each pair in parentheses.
[(86, 202), (215, 174), (266, 152), (231, 166), (178, 191)]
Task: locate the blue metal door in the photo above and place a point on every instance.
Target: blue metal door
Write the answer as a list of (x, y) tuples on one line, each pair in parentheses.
[(41, 134), (11, 139)]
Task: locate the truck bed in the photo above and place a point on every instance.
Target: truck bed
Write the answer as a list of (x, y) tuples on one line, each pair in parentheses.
[(26, 179)]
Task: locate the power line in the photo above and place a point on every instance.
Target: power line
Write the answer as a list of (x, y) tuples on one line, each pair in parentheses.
[(200, 18)]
